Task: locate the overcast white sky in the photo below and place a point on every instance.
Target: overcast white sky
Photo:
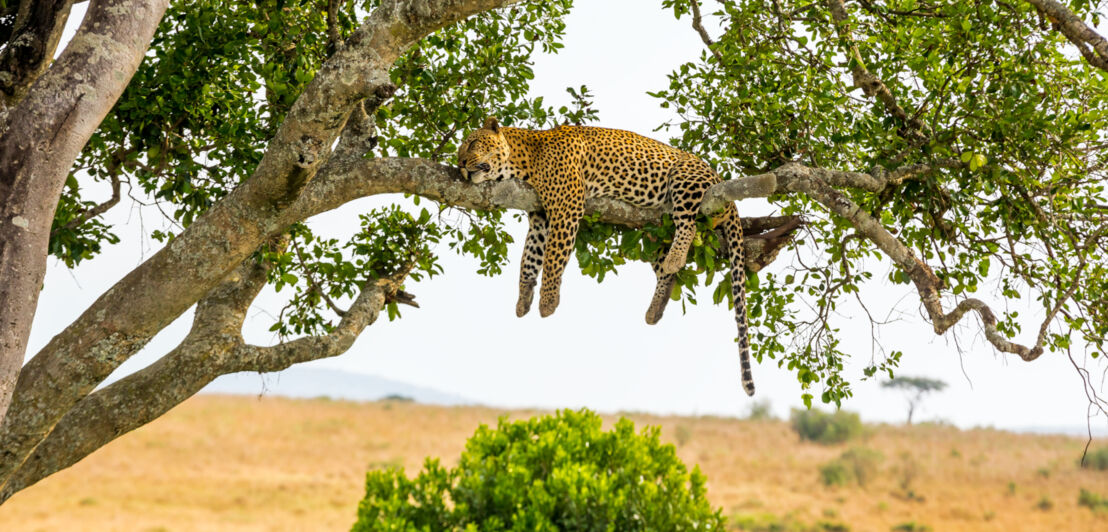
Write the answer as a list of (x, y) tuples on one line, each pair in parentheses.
[(597, 351)]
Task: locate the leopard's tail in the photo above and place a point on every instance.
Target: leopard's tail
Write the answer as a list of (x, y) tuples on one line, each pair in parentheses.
[(732, 232)]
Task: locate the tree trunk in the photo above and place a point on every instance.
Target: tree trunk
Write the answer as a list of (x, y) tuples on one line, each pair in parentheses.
[(40, 137)]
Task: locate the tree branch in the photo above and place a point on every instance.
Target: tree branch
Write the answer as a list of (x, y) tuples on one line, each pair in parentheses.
[(798, 178), (345, 179), (872, 87), (212, 348), (96, 210), (30, 46), (698, 25), (1092, 45), (143, 396), (40, 137)]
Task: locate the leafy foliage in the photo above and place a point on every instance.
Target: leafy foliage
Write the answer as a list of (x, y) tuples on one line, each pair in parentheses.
[(858, 465), (1092, 501), (1012, 121), (389, 239), (560, 472), (822, 427), (216, 85)]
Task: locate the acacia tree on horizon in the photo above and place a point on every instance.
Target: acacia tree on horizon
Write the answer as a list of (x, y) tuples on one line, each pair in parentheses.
[(962, 143), (914, 389)]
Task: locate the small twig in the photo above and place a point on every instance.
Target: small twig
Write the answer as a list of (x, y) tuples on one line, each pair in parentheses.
[(698, 25), (312, 282), (872, 86), (93, 212)]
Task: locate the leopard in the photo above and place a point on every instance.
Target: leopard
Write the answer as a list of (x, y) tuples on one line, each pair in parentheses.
[(568, 164)]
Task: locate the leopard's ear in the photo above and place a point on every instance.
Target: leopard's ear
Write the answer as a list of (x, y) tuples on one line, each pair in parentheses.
[(492, 124)]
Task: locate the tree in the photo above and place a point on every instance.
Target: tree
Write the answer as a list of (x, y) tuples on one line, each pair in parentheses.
[(977, 139), (914, 389)]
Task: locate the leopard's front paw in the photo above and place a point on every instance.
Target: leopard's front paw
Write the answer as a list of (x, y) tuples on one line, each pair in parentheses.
[(526, 296), (547, 303)]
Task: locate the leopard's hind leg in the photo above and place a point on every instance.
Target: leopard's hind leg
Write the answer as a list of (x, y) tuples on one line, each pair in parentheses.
[(531, 263), (689, 182)]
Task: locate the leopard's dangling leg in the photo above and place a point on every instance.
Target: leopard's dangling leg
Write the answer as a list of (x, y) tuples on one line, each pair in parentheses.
[(662, 293), (531, 263), (565, 206), (686, 190), (562, 236), (732, 231)]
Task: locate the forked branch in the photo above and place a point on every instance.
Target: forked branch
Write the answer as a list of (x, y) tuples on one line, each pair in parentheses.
[(871, 86), (213, 347)]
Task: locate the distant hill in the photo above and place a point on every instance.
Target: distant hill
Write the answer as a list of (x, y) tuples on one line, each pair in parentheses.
[(300, 382)]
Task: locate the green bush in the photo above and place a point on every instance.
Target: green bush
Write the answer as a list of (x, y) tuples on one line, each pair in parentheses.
[(760, 410), (911, 526), (766, 522), (1045, 504), (828, 429), (836, 473), (549, 473), (858, 465), (1094, 502), (1096, 459)]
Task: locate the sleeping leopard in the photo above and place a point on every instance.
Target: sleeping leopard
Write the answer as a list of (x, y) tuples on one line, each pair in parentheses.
[(567, 164)]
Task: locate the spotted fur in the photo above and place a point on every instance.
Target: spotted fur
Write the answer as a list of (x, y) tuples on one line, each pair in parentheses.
[(567, 164)]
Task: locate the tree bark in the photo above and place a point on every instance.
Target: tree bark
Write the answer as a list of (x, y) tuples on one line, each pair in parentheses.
[(42, 135), (1092, 45), (30, 46)]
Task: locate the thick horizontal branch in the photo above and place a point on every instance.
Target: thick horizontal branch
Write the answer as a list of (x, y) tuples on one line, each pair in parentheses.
[(342, 181), (345, 181)]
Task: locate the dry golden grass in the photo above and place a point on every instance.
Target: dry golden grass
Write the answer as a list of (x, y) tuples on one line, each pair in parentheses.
[(233, 463)]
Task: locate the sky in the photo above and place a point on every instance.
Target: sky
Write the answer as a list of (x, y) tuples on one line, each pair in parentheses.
[(596, 351)]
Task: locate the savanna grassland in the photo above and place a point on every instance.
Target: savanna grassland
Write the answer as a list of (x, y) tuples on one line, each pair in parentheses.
[(244, 463)]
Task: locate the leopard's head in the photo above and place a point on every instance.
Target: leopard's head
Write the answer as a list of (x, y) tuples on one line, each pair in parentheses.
[(483, 155)]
